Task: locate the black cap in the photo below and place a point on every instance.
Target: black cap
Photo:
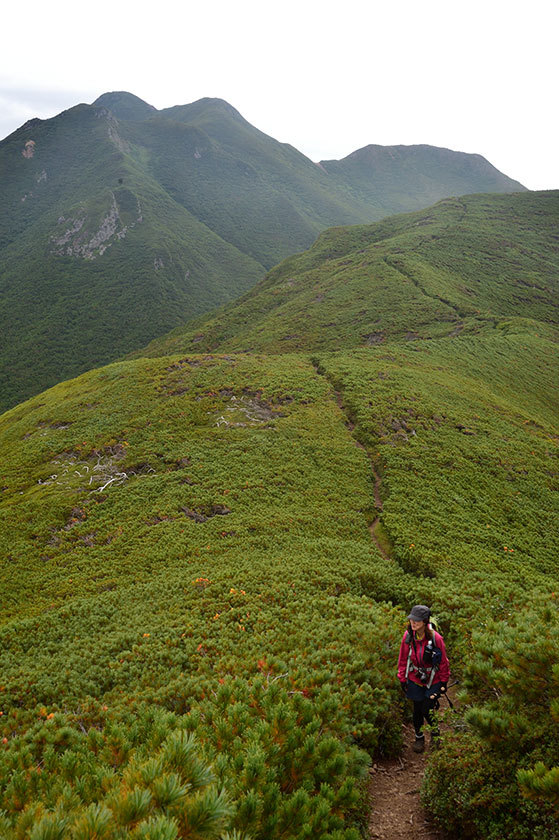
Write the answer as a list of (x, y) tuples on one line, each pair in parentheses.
[(420, 613)]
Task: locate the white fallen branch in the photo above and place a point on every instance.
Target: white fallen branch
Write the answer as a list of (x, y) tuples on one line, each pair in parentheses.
[(120, 477)]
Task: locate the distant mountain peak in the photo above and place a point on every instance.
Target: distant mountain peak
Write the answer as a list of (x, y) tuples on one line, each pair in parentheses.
[(419, 169), (375, 151), (208, 107), (216, 102), (125, 106)]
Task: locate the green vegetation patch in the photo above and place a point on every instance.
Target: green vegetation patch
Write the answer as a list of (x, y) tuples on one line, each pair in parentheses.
[(225, 546), (465, 437), (458, 267), (190, 535)]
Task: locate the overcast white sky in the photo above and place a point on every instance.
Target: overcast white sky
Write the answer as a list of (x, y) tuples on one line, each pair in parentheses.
[(328, 78)]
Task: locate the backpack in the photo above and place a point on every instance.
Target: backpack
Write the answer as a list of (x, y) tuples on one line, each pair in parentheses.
[(431, 659)]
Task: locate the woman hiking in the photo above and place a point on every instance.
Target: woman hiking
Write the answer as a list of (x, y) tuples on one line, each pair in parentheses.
[(423, 671)]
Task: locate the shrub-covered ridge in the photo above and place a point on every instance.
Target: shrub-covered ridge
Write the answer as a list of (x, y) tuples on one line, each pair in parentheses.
[(226, 547), (215, 571)]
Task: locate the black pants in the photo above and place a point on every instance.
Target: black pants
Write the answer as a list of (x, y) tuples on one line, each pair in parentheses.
[(423, 705), (423, 710)]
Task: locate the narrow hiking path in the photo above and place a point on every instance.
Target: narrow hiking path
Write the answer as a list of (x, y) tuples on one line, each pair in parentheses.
[(394, 787), (396, 812), (377, 480)]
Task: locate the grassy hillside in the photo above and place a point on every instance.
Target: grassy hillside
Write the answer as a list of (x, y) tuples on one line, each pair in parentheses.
[(158, 596), (119, 222), (456, 267), (208, 559), (464, 439)]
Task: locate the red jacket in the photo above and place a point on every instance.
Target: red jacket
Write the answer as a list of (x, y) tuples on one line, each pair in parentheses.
[(442, 674)]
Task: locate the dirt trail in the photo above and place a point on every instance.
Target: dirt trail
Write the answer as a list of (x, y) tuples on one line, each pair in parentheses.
[(396, 811), (376, 490)]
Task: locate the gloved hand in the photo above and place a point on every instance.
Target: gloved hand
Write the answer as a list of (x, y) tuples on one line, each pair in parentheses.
[(404, 687), (441, 690)]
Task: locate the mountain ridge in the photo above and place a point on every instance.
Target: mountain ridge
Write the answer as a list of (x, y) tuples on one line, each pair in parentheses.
[(412, 170), (463, 263), (215, 552), (160, 215)]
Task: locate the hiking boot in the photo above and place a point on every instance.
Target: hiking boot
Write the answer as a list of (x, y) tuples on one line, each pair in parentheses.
[(419, 743)]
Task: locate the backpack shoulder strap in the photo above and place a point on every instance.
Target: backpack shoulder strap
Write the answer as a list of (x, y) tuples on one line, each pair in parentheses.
[(410, 642)]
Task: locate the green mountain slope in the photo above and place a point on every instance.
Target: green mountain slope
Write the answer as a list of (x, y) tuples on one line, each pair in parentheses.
[(96, 255), (215, 541), (411, 177), (187, 547), (458, 266), (212, 160), (119, 222), (226, 545), (262, 196)]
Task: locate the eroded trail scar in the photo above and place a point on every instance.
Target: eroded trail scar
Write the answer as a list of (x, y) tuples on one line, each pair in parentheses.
[(351, 426), (376, 489)]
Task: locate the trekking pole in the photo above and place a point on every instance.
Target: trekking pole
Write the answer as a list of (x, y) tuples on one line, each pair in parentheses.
[(445, 694)]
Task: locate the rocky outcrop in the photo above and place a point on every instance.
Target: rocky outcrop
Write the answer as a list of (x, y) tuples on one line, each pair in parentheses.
[(112, 128), (29, 149), (79, 240)]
